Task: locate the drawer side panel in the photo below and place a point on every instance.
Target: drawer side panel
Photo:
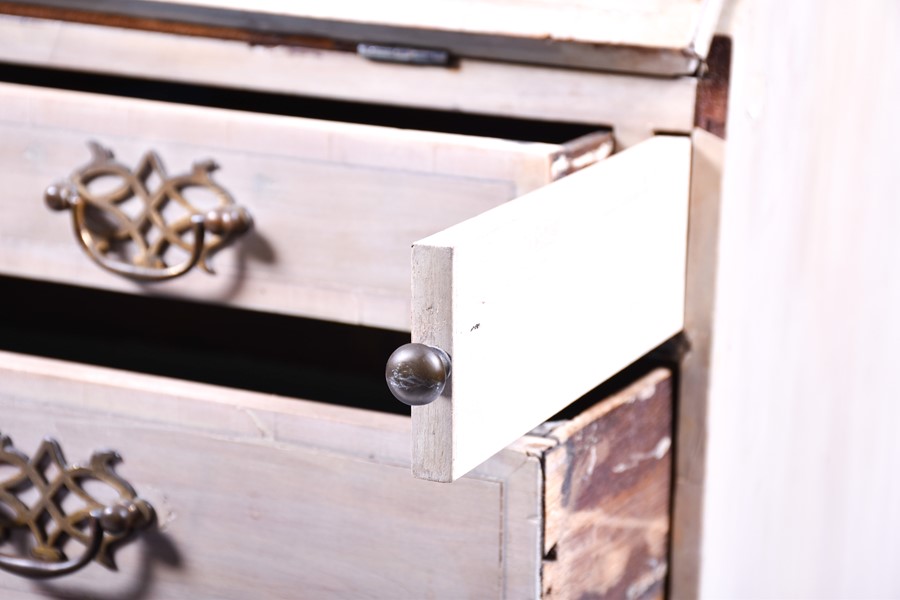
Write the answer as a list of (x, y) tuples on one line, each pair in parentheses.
[(552, 294)]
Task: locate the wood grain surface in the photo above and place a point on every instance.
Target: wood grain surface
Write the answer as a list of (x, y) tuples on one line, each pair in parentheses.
[(607, 491)]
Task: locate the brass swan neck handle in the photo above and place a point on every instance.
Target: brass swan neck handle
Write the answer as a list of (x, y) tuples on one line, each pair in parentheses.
[(101, 225), (96, 526), (38, 569)]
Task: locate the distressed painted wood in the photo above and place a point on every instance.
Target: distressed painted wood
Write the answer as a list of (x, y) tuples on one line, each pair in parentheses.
[(661, 37), (336, 206), (258, 495), (542, 299), (712, 88), (701, 274), (607, 489), (634, 106)]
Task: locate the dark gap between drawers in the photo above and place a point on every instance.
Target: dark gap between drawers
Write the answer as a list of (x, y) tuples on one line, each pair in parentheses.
[(509, 128), (289, 356), (300, 358)]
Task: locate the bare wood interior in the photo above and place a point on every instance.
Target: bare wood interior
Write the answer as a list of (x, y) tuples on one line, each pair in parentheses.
[(607, 486)]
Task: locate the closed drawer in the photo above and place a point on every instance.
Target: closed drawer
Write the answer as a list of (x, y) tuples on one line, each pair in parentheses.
[(655, 37), (262, 496), (260, 58)]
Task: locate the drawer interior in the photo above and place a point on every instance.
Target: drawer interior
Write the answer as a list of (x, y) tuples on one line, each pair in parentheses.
[(293, 357)]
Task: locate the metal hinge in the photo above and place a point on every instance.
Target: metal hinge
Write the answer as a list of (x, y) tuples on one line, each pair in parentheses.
[(404, 55)]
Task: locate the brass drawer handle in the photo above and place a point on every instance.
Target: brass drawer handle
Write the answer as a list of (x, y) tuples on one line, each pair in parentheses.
[(416, 374), (96, 526), (103, 229)]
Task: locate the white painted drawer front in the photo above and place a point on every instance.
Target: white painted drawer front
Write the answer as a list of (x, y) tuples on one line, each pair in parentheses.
[(259, 496), (545, 297), (336, 206)]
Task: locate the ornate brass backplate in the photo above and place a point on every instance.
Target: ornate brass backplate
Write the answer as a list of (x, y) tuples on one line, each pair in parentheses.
[(104, 230), (96, 526)]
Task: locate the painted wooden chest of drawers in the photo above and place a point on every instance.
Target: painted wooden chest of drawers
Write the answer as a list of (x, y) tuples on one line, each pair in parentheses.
[(540, 265)]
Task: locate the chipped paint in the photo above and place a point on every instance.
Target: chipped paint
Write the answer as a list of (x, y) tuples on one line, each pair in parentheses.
[(646, 393), (647, 581), (659, 451)]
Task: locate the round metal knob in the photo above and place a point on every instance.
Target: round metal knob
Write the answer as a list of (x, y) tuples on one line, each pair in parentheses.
[(416, 374)]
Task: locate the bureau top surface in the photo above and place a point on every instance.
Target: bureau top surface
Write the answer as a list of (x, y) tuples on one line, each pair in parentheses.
[(666, 37)]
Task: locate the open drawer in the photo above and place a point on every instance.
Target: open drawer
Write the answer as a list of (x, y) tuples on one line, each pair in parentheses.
[(335, 205), (536, 301), (257, 495)]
